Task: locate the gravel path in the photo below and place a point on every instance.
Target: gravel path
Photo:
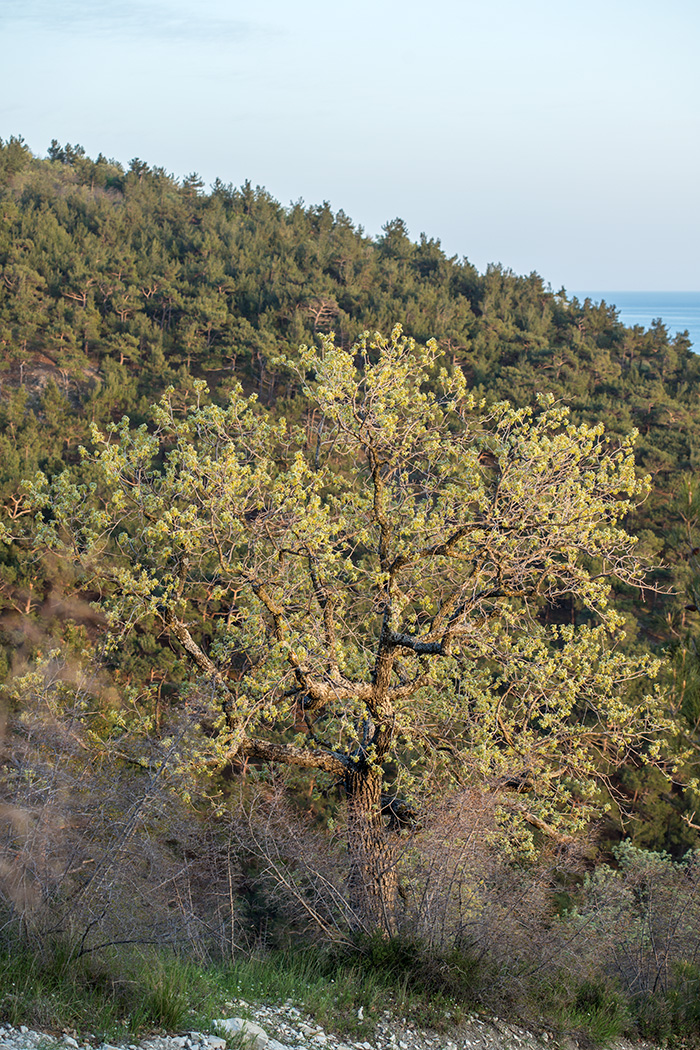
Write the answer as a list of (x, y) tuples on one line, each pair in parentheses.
[(286, 1028)]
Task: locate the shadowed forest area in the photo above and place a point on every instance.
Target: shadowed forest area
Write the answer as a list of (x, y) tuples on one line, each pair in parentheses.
[(331, 648)]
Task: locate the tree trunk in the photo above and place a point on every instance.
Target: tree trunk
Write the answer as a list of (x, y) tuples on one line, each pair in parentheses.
[(372, 878)]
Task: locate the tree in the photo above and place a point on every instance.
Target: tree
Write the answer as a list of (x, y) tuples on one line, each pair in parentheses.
[(370, 603)]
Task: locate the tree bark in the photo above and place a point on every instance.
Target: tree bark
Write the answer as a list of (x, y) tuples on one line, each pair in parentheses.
[(372, 875)]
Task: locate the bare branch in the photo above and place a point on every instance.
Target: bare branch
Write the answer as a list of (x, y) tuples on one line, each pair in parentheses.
[(290, 755)]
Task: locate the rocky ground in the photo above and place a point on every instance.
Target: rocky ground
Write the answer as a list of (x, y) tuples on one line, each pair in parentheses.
[(287, 1028)]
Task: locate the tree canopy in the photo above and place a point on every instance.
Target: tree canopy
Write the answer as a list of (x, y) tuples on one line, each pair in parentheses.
[(370, 603)]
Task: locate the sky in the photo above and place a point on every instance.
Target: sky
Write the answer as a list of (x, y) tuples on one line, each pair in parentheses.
[(559, 136)]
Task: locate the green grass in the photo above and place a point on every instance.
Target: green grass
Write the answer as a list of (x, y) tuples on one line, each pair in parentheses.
[(332, 987), (132, 992), (109, 995), (596, 1014), (122, 994)]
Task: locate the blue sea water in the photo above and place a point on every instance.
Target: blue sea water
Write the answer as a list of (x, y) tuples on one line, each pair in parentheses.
[(677, 310)]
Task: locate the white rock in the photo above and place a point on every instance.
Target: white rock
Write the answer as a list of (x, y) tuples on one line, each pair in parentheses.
[(254, 1037)]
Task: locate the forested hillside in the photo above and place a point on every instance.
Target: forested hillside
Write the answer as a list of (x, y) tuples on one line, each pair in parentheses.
[(117, 284)]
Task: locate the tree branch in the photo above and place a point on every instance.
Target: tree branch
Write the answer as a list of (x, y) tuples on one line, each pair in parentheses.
[(328, 608), (198, 657), (290, 755), (321, 692), (380, 515), (396, 639)]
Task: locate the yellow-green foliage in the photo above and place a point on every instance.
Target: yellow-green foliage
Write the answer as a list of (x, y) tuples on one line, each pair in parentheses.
[(376, 594)]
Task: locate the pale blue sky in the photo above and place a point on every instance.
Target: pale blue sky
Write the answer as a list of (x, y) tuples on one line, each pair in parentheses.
[(561, 137)]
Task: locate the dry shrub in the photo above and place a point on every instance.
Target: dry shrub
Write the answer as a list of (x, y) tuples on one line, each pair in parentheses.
[(461, 885), (642, 920), (620, 943), (469, 892), (97, 839), (298, 869)]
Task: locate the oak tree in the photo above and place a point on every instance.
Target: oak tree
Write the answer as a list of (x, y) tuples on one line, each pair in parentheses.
[(371, 603)]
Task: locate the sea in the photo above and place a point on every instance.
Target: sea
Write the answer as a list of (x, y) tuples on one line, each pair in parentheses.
[(678, 310)]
